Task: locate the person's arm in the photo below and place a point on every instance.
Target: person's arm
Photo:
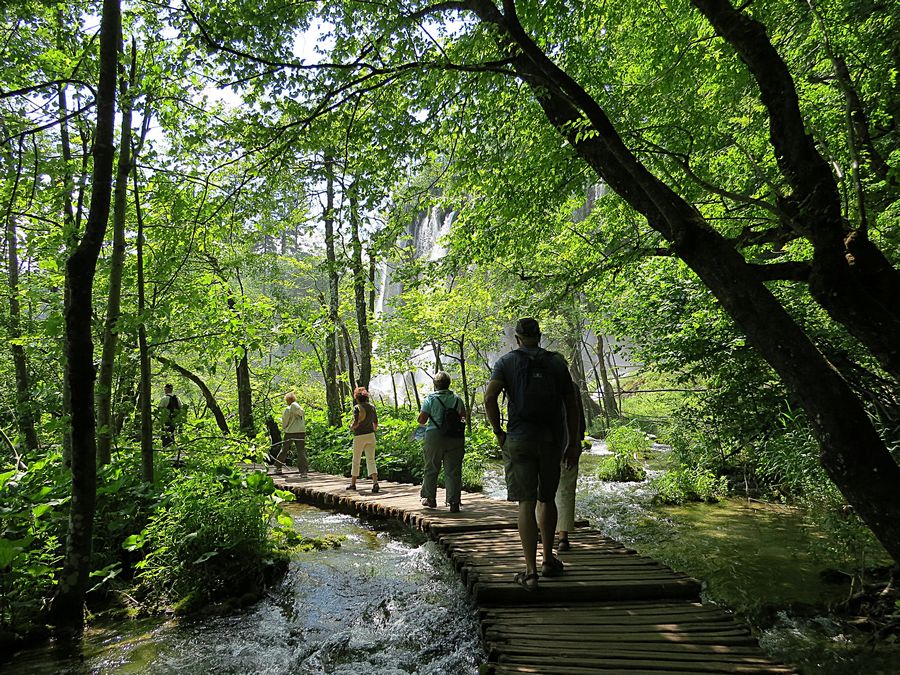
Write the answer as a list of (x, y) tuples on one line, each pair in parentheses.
[(572, 402), (461, 409), (374, 419), (492, 409), (355, 422)]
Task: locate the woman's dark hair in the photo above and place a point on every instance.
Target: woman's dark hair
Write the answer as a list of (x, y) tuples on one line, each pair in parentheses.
[(361, 395)]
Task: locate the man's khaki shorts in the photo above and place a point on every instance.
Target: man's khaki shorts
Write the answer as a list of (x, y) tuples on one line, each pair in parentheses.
[(532, 469)]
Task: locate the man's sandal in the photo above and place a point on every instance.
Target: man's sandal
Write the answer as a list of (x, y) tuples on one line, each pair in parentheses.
[(527, 581), (553, 567)]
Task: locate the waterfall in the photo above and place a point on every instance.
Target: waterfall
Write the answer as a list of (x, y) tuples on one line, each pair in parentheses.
[(423, 236)]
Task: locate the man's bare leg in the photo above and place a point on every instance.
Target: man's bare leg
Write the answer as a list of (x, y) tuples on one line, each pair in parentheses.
[(528, 534), (547, 516)]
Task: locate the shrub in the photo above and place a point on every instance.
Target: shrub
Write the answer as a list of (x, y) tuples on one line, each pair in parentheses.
[(688, 485), (32, 528), (212, 534), (627, 445)]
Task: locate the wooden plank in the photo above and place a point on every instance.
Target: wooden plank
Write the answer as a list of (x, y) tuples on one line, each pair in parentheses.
[(555, 664), (510, 593)]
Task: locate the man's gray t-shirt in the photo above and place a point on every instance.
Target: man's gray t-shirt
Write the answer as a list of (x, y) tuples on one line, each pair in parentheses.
[(506, 372)]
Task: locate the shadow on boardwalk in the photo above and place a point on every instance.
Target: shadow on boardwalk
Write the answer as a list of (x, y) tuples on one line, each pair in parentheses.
[(612, 611)]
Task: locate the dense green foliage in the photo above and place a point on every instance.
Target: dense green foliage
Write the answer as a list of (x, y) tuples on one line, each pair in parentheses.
[(629, 447), (198, 534), (689, 485), (209, 535)]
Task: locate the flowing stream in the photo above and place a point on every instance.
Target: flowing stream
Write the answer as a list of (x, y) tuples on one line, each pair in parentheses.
[(386, 601)]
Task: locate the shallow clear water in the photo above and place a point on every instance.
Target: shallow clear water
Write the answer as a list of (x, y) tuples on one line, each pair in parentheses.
[(387, 601)]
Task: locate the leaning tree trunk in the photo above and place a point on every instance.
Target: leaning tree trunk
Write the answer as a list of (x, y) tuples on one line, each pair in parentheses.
[(24, 411), (67, 608), (332, 395), (348, 352), (116, 267), (852, 453), (849, 276), (208, 396)]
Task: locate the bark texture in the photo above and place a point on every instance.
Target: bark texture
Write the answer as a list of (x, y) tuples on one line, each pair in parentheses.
[(24, 412), (332, 394), (67, 609), (116, 268)]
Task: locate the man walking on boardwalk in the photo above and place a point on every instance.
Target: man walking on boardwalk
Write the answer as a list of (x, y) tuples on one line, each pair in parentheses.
[(542, 426)]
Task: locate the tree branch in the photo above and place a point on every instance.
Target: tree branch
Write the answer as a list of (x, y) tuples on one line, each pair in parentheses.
[(784, 271)]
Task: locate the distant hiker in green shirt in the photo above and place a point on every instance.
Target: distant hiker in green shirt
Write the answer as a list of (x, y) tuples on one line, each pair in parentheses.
[(445, 441), (169, 415)]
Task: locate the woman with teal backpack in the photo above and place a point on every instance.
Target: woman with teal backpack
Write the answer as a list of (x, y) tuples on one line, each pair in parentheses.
[(445, 442)]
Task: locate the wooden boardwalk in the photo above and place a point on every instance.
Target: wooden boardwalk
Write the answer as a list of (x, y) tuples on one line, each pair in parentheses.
[(612, 611)]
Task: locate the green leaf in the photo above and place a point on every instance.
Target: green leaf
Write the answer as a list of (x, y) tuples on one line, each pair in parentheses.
[(10, 549)]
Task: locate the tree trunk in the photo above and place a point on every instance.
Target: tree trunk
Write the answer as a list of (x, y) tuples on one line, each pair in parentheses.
[(371, 283), (348, 350), (245, 395), (359, 290), (463, 375), (332, 395), (573, 339), (415, 388), (436, 348), (274, 438), (342, 367), (145, 402), (128, 397), (70, 228), (208, 396), (609, 396), (116, 267), (394, 387), (24, 411), (67, 608)]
